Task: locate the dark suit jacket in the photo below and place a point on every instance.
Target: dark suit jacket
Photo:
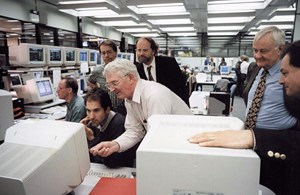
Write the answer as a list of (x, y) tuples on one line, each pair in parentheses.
[(251, 74), (169, 74), (281, 176)]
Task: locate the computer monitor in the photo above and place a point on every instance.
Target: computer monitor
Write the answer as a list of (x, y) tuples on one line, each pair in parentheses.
[(6, 116), (36, 90), (27, 55), (82, 56), (15, 80), (69, 56), (54, 157), (54, 56), (224, 70), (92, 57), (99, 58)]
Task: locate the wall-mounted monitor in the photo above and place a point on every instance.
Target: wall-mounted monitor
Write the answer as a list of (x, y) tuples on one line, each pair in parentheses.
[(54, 56), (36, 90), (15, 80), (82, 56), (69, 56), (224, 70), (27, 55), (92, 57)]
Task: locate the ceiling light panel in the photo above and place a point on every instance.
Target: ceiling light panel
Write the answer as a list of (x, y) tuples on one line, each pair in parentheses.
[(236, 5), (171, 21), (117, 23), (158, 8), (224, 28), (131, 30), (222, 20), (177, 29), (145, 34)]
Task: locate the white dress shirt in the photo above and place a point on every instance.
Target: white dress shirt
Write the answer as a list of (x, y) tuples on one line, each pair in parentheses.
[(153, 69), (149, 98)]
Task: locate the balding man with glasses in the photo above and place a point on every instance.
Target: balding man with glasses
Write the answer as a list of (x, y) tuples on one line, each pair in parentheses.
[(142, 99)]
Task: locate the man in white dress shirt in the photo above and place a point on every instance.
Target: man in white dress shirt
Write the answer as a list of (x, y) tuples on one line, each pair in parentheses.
[(142, 99)]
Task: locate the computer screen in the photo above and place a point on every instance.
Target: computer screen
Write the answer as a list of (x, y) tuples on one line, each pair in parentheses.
[(16, 80), (93, 57), (54, 157), (98, 58), (27, 55), (82, 56), (69, 56), (36, 54), (54, 56), (224, 70), (36, 90)]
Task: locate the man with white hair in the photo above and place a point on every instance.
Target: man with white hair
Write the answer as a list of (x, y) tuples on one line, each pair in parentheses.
[(142, 99)]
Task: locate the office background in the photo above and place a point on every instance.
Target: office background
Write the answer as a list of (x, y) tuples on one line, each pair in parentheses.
[(194, 29)]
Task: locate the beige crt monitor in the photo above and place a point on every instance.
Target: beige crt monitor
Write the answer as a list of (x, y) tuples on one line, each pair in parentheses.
[(43, 157), (167, 164)]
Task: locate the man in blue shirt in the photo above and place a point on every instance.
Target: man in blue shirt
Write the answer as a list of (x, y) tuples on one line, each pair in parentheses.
[(268, 45)]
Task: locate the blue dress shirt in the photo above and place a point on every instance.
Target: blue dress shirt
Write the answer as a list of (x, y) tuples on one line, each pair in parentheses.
[(272, 113)]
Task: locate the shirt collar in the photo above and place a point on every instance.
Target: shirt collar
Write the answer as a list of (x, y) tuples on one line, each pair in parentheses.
[(137, 92), (153, 64), (274, 69)]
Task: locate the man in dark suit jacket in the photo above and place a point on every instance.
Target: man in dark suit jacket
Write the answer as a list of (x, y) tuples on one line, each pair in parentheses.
[(164, 70)]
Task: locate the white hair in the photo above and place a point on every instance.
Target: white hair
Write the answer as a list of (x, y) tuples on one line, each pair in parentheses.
[(122, 67)]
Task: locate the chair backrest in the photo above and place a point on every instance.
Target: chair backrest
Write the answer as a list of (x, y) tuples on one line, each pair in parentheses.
[(221, 85)]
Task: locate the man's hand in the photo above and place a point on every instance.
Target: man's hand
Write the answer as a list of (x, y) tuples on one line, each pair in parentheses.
[(225, 139), (88, 131), (105, 149)]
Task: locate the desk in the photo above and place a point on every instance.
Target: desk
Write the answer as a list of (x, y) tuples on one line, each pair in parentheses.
[(96, 172), (37, 108)]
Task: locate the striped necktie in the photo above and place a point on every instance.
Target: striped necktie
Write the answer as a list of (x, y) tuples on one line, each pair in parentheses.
[(150, 77), (256, 102)]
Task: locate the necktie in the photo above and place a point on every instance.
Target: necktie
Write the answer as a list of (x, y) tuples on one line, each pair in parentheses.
[(150, 77), (256, 102)]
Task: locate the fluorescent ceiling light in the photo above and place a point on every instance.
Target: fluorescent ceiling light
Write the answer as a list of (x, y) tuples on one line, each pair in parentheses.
[(287, 18), (230, 11), (177, 29), (236, 5), (129, 30), (233, 1), (158, 8), (221, 33), (117, 23), (281, 26), (114, 16), (170, 21), (145, 35), (170, 14), (182, 34), (80, 2), (221, 28), (102, 12), (222, 20)]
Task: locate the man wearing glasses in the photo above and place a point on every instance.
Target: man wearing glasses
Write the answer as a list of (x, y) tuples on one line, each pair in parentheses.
[(142, 99), (67, 90), (108, 50)]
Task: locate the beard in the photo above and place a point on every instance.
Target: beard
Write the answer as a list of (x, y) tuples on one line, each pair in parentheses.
[(143, 59), (292, 104)]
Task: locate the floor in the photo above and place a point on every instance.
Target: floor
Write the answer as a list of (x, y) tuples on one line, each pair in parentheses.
[(239, 108)]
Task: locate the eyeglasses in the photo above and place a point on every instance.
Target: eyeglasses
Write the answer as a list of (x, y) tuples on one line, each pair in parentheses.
[(114, 84), (262, 51), (109, 52)]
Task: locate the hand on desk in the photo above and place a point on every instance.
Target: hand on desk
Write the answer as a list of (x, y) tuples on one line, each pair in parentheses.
[(105, 149), (225, 139), (88, 131)]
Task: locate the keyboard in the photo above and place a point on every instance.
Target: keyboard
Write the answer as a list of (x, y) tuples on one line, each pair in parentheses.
[(54, 109), (57, 115)]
